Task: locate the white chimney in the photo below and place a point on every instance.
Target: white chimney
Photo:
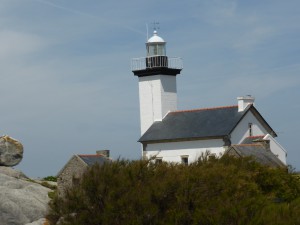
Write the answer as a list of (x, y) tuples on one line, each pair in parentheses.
[(243, 102)]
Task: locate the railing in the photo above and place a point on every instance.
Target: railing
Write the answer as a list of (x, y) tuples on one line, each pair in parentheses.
[(156, 62)]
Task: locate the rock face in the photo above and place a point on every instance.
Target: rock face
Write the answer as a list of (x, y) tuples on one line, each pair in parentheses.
[(39, 222), (9, 171), (21, 201), (11, 151)]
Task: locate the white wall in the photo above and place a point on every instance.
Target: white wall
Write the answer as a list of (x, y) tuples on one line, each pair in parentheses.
[(276, 148), (172, 151), (168, 94), (242, 130), (158, 96)]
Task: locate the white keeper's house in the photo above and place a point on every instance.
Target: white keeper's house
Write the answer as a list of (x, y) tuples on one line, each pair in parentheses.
[(182, 136)]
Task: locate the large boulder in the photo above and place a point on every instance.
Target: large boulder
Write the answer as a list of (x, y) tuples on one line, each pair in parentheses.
[(11, 151), (9, 171), (21, 201)]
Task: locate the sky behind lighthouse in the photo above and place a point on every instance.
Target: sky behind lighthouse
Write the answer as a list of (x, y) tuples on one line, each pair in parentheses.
[(67, 86)]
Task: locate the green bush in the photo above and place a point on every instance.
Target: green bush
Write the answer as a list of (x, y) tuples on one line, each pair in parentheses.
[(210, 191), (50, 178)]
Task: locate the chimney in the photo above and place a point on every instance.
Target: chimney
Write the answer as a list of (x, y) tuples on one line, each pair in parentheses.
[(103, 152), (265, 143), (243, 102)]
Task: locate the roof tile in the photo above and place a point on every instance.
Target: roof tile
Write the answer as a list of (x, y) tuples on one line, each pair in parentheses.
[(259, 152), (197, 123), (204, 109), (93, 159)]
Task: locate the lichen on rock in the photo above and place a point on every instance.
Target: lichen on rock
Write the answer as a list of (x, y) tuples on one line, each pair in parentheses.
[(11, 151)]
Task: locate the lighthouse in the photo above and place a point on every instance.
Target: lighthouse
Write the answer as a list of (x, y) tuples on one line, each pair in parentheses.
[(157, 81), (182, 136)]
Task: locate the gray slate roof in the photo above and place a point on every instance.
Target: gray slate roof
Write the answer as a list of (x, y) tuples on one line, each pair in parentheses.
[(90, 160), (258, 152), (198, 124)]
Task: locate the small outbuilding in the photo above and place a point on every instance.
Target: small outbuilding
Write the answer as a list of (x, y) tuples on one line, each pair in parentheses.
[(72, 172), (259, 149)]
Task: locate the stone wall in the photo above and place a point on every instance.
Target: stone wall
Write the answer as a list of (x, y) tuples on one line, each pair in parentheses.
[(70, 174)]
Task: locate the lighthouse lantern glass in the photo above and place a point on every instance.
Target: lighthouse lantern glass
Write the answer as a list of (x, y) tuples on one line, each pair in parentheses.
[(154, 49)]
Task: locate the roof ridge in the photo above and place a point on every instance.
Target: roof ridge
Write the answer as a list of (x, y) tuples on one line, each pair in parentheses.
[(90, 155), (247, 145), (257, 136), (204, 109)]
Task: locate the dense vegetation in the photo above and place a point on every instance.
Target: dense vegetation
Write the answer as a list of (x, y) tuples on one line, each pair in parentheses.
[(211, 191)]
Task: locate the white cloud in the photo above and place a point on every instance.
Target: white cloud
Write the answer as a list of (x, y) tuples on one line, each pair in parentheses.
[(265, 83), (215, 12), (14, 44), (252, 38)]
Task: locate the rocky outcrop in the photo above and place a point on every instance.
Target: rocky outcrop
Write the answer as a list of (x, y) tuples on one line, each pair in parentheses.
[(39, 222), (11, 151), (9, 171), (22, 202)]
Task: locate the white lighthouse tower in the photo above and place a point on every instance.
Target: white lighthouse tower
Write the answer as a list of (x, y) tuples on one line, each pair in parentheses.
[(157, 81)]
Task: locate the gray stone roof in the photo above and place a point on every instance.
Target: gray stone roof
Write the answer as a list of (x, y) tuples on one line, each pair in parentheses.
[(199, 124), (258, 152), (93, 159)]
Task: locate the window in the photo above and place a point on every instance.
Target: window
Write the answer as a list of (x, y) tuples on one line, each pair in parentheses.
[(75, 181), (156, 49), (250, 129), (185, 159), (158, 160)]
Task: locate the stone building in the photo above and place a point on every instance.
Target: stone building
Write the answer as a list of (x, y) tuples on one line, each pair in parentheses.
[(72, 172)]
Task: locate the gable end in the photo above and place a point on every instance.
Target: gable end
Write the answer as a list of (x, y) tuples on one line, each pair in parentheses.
[(259, 117)]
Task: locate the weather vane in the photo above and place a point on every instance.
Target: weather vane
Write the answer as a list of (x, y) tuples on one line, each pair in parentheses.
[(155, 25)]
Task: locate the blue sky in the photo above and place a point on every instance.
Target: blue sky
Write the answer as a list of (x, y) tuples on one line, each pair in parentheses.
[(67, 87)]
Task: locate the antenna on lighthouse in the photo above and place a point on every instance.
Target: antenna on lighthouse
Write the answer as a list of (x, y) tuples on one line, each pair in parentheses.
[(147, 31)]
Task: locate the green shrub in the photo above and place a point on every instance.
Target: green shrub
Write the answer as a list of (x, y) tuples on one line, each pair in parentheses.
[(50, 178), (211, 191)]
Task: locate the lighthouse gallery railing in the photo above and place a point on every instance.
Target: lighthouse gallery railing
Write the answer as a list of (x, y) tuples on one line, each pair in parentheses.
[(155, 62)]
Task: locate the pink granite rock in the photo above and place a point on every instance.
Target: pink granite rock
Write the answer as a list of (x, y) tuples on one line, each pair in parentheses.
[(11, 151)]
